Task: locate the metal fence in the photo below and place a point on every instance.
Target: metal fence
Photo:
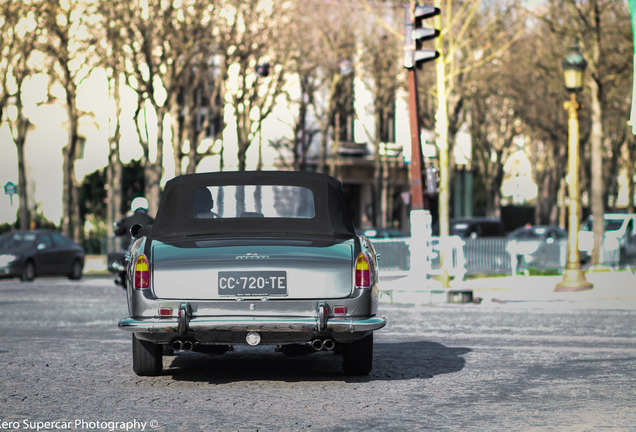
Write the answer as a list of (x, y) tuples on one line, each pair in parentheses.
[(494, 255)]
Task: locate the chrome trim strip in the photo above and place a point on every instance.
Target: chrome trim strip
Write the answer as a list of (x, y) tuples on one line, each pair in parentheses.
[(291, 325)]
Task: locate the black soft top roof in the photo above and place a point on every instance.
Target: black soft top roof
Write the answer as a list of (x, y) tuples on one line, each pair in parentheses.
[(175, 218)]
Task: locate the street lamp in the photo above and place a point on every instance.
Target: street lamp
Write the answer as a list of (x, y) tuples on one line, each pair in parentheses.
[(573, 69)]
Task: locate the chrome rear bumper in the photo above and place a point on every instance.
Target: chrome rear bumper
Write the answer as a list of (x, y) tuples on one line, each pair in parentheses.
[(260, 324)]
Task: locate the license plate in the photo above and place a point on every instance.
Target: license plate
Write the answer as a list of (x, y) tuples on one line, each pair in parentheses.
[(253, 283)]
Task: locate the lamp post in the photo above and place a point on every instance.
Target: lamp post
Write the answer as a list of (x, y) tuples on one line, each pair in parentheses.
[(573, 69)]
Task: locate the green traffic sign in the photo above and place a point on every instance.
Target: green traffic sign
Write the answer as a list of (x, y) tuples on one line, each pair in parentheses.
[(10, 188)]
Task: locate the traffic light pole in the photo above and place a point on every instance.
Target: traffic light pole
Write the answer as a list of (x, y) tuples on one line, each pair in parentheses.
[(418, 199), (414, 33), (420, 214)]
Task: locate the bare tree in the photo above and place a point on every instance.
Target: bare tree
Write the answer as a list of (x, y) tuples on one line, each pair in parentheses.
[(70, 47), (493, 130), (630, 167), (20, 33), (110, 54), (198, 113), (251, 36), (593, 24), (304, 65), (337, 42), (159, 50), (384, 73), (615, 74), (197, 109), (150, 67), (473, 41)]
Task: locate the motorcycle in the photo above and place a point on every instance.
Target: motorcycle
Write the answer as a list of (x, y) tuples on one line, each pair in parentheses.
[(117, 261), (117, 266)]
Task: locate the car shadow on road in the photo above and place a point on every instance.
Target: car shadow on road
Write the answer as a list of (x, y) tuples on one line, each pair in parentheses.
[(392, 361)]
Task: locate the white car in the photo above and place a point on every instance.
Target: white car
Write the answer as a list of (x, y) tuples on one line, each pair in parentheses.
[(620, 235)]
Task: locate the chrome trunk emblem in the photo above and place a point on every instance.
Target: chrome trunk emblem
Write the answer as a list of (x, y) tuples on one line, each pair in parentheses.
[(252, 256)]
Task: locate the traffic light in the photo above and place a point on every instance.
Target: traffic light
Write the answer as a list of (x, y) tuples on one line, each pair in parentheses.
[(414, 34)]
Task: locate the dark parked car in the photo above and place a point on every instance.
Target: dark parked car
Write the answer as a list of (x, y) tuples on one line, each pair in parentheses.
[(392, 246), (252, 258), (27, 254), (475, 227), (538, 245), (484, 243), (381, 233)]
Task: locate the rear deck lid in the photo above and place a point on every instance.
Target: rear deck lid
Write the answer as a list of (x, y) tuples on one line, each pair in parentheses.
[(233, 268)]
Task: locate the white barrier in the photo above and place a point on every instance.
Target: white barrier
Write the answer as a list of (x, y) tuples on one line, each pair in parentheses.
[(492, 255)]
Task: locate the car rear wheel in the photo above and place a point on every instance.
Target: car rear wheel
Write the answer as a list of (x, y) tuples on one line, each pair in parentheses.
[(358, 356), (76, 270), (147, 357), (28, 272)]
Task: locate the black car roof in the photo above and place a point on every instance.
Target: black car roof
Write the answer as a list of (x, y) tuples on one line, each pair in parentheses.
[(174, 216)]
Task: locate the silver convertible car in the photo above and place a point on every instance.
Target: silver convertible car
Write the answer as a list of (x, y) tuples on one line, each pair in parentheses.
[(252, 258)]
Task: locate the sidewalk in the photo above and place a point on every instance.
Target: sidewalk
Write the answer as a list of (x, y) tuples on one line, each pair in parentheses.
[(612, 289)]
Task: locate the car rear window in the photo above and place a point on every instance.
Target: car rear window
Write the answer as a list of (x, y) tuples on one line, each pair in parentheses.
[(458, 229), (529, 234), (18, 240), (253, 201), (61, 240), (610, 224)]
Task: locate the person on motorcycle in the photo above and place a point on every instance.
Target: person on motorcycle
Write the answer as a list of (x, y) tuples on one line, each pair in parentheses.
[(139, 208), (117, 260)]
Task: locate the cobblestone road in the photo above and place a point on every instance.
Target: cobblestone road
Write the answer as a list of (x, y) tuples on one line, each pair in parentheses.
[(496, 367)]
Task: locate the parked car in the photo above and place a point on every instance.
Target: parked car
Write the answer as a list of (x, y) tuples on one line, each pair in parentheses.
[(620, 234), (393, 248), (538, 245), (484, 243), (252, 258), (382, 233), (27, 254), (474, 227)]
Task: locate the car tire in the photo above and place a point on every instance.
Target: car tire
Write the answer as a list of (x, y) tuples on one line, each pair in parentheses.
[(28, 272), (358, 356), (623, 257), (147, 357), (76, 270)]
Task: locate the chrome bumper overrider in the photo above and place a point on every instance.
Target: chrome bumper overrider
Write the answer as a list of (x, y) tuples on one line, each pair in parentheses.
[(260, 324)]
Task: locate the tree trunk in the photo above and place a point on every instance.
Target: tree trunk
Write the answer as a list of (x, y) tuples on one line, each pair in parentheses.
[(70, 211), (596, 139), (24, 215), (114, 168), (154, 170)]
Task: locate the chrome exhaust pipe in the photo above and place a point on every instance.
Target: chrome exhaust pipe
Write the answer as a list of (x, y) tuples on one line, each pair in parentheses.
[(187, 345), (177, 345), (328, 344), (317, 344)]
